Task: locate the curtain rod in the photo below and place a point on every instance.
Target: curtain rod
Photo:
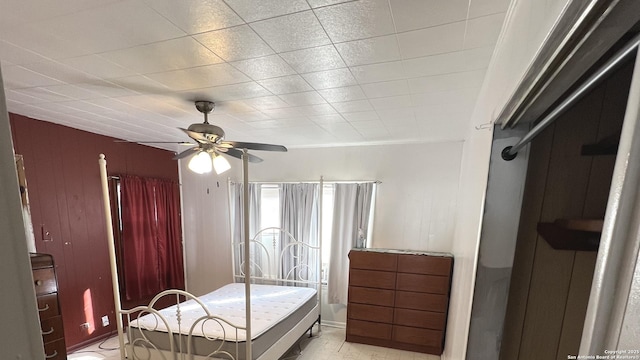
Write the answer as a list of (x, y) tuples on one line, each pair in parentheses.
[(313, 182), (510, 152)]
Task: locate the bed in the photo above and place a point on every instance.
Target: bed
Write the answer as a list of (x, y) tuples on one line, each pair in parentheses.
[(284, 304)]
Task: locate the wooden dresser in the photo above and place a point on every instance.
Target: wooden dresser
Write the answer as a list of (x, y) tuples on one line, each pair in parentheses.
[(44, 281), (399, 299)]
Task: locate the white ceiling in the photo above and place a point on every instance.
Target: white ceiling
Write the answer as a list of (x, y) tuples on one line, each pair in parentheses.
[(294, 72)]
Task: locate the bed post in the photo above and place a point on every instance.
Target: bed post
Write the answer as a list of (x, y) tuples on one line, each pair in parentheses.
[(320, 254), (112, 252), (247, 267)]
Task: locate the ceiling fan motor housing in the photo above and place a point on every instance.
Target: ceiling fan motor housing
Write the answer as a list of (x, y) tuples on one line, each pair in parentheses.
[(211, 132)]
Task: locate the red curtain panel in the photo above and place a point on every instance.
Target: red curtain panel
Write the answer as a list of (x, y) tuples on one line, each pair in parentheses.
[(151, 236)]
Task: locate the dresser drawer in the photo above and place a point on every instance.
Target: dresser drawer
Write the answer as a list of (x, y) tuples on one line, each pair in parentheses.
[(429, 265), (418, 318), (369, 329), (416, 336), (361, 295), (421, 301), (55, 350), (52, 329), (423, 283), (373, 313), (370, 260), (48, 305), (372, 279), (44, 281)]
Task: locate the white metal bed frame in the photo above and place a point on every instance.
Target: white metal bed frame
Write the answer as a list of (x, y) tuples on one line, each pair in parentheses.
[(141, 347)]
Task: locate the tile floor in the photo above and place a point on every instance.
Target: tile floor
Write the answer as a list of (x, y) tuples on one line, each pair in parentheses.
[(329, 344)]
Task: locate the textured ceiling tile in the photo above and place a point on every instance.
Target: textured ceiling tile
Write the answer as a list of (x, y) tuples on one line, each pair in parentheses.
[(244, 90), (60, 72), (386, 88), (314, 59), (286, 84), (341, 94), (483, 31), (43, 94), (73, 92), (478, 58), (264, 67), (20, 77), (97, 66), (356, 20), (392, 102), (327, 119), (330, 79), (390, 114), (320, 3), (167, 55), (468, 79), (352, 106), (251, 10), (200, 77), (196, 16), (266, 103), (303, 98), (141, 84), (487, 7), (235, 43), (114, 26), (418, 14), (285, 34), (431, 41), (251, 116), (379, 72), (361, 116), (436, 64), (369, 51), (17, 55), (316, 110)]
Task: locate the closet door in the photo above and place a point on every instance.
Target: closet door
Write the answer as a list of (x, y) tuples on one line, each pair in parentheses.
[(614, 303)]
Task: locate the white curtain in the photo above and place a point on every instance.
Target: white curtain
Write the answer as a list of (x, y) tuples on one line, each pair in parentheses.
[(299, 215), (237, 228), (352, 206)]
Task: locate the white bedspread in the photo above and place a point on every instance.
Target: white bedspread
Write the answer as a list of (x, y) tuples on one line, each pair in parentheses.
[(269, 305)]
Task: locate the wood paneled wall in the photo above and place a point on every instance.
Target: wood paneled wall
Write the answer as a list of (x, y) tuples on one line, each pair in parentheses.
[(549, 289), (61, 166)]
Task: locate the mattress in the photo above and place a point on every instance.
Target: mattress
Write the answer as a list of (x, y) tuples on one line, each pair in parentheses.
[(274, 311)]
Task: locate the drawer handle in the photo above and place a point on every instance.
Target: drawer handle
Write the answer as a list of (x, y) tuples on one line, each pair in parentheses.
[(48, 332), (39, 282), (45, 308), (55, 353)]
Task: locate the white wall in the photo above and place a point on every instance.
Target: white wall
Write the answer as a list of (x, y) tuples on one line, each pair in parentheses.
[(526, 26), (20, 334), (415, 204)]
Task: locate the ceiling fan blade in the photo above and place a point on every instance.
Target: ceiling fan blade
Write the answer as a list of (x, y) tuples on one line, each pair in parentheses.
[(196, 136), (238, 154), (252, 146), (154, 142), (186, 153)]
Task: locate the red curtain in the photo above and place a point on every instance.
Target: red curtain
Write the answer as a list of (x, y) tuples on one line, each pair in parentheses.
[(151, 236)]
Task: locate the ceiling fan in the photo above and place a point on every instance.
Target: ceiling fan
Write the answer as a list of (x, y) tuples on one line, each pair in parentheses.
[(211, 144)]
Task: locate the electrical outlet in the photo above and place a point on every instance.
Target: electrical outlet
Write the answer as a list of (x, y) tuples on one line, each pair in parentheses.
[(105, 320)]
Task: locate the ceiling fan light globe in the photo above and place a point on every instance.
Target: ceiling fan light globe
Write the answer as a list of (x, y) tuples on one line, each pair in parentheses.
[(220, 164), (201, 163)]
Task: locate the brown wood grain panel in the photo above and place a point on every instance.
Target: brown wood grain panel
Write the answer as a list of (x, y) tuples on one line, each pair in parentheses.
[(373, 313), (417, 336), (423, 283), (564, 197), (372, 279), (361, 295), (421, 301), (369, 329), (423, 264), (371, 260), (64, 191), (421, 319)]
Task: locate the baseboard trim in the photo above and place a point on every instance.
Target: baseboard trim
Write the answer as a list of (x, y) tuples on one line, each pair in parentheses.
[(335, 324)]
